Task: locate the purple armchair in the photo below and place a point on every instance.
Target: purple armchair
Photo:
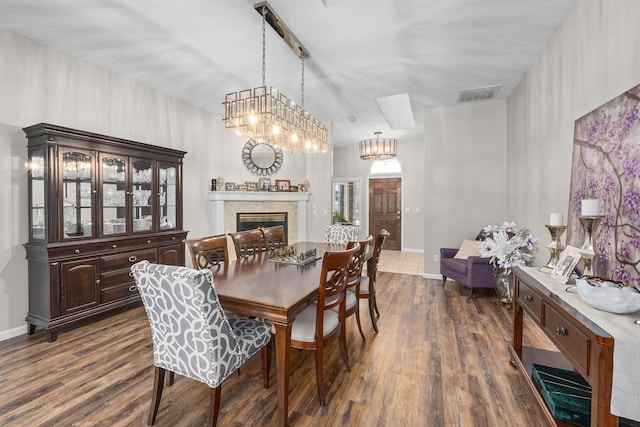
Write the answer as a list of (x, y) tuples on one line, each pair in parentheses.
[(473, 272)]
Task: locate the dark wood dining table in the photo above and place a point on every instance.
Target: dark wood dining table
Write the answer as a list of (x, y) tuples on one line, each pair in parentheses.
[(256, 286)]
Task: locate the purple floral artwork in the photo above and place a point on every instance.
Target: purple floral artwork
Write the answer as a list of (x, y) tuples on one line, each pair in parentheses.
[(606, 166)]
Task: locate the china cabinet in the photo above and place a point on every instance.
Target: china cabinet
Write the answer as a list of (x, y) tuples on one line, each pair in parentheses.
[(97, 205)]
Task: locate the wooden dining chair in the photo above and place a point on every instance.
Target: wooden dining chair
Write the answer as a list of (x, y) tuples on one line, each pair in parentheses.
[(319, 324), (248, 243), (208, 252), (354, 278), (274, 237), (368, 282), (191, 333)]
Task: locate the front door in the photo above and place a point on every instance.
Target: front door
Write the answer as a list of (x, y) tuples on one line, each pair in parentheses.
[(385, 203)]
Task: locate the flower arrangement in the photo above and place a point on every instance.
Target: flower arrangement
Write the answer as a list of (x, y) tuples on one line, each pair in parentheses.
[(507, 246)]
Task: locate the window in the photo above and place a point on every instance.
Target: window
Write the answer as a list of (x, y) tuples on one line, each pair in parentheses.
[(390, 166)]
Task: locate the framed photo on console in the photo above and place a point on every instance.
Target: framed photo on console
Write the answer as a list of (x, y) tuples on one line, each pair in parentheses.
[(283, 184), (567, 262)]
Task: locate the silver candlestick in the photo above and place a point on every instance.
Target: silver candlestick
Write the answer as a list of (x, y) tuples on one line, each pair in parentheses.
[(587, 252), (555, 247)]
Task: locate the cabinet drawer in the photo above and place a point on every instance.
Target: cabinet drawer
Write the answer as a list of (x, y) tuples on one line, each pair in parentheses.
[(530, 301), (120, 277), (118, 292), (574, 344), (127, 259)]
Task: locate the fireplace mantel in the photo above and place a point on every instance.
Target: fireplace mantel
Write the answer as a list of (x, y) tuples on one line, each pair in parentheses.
[(220, 198)]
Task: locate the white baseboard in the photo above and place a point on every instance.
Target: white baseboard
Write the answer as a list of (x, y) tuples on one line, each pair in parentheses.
[(412, 250), (432, 276), (10, 333)]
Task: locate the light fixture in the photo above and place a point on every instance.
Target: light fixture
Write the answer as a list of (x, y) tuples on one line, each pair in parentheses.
[(266, 115), (378, 148)]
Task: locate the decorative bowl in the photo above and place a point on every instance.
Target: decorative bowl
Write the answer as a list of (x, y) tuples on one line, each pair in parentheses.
[(613, 297)]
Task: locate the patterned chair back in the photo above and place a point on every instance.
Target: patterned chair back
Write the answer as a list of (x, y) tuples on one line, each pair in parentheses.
[(372, 265), (274, 237), (208, 251), (339, 233), (190, 331), (357, 261), (248, 243)]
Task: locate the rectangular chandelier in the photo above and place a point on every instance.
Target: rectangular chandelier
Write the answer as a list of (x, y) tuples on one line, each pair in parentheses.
[(266, 115)]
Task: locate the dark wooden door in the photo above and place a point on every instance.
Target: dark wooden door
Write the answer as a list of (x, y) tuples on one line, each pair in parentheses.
[(385, 204)]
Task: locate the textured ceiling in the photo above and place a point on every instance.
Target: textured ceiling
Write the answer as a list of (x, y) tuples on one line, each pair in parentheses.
[(198, 50)]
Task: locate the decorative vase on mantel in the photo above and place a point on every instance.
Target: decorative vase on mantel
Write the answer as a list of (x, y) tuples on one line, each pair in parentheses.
[(504, 286)]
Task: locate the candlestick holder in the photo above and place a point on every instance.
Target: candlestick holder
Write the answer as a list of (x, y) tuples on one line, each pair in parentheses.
[(587, 252), (555, 247)]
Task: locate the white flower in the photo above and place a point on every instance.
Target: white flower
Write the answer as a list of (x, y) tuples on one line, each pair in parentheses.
[(507, 246)]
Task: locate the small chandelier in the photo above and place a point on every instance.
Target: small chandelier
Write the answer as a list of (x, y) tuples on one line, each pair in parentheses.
[(266, 115), (378, 148)]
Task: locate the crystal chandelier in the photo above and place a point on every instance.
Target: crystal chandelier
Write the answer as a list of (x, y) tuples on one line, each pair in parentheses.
[(378, 148), (266, 115)]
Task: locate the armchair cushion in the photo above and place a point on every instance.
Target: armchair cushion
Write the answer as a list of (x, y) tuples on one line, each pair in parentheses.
[(468, 248)]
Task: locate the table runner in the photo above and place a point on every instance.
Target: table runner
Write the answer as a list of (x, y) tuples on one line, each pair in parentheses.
[(626, 347)]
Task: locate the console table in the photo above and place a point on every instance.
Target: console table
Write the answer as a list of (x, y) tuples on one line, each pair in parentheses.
[(582, 345)]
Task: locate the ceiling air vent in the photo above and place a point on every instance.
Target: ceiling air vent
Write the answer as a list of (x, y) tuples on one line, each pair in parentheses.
[(478, 93)]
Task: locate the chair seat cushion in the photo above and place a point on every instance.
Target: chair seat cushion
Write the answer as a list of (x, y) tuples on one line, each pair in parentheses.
[(350, 299), (364, 286), (252, 334), (304, 327)]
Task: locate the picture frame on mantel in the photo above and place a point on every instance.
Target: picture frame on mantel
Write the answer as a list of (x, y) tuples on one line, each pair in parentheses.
[(264, 183), (283, 184)]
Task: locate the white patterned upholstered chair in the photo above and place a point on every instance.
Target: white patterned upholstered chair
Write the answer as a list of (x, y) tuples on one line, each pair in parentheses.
[(341, 233), (319, 324), (192, 335)]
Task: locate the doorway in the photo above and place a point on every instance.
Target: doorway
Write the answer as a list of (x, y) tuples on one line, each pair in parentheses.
[(385, 210)]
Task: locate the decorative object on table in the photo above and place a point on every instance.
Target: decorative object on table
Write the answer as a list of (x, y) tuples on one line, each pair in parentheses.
[(261, 159), (605, 167), (214, 184), (229, 186), (378, 148), (288, 255), (293, 188), (555, 247), (566, 393), (507, 247), (264, 183), (306, 185), (587, 251), (220, 183), (274, 118), (567, 262), (283, 184), (609, 295)]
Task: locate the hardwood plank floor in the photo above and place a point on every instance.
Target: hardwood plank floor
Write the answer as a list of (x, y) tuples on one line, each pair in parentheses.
[(438, 360)]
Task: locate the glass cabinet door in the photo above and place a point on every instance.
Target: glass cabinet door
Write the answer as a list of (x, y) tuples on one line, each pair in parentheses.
[(77, 193), (114, 190), (38, 205), (142, 186), (167, 196)]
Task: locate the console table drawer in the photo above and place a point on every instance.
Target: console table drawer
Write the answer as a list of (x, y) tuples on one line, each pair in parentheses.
[(569, 339), (530, 301)]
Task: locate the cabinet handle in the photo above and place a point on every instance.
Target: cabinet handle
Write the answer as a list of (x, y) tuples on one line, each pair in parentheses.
[(527, 298), (173, 238), (148, 242), (132, 288), (98, 282), (561, 331), (94, 192), (77, 251), (114, 246), (132, 258), (131, 274)]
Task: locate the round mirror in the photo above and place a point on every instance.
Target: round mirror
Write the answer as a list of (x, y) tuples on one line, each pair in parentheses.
[(261, 159)]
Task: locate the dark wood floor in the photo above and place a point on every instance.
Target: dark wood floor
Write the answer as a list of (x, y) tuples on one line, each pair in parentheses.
[(438, 360)]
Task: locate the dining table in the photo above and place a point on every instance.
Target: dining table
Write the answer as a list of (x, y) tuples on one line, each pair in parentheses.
[(261, 286)]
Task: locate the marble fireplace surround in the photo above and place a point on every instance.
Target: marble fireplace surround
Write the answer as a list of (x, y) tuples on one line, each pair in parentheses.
[(225, 205)]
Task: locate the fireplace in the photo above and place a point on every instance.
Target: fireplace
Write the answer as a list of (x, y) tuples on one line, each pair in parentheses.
[(251, 220)]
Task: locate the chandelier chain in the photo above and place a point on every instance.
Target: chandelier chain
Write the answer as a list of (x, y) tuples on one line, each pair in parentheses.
[(264, 44), (302, 80)]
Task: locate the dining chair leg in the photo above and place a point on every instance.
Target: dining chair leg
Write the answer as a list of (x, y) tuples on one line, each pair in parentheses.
[(266, 363), (343, 347), (172, 378), (372, 314), (158, 384), (215, 405), (358, 321), (320, 376)]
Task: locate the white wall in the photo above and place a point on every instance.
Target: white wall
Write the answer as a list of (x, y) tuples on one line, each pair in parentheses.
[(39, 84), (347, 164), (466, 175), (593, 57)]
